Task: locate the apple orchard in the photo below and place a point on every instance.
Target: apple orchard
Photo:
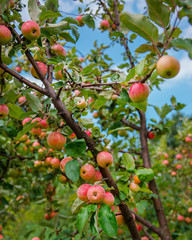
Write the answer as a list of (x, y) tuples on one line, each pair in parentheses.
[(79, 158)]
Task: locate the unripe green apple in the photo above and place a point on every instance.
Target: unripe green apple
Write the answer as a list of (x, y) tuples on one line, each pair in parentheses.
[(96, 194), (167, 67), (56, 141), (87, 172), (82, 192), (81, 103), (5, 35), (139, 92), (62, 179), (31, 30), (42, 67), (104, 159)]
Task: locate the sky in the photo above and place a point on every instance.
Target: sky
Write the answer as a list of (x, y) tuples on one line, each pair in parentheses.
[(179, 86)]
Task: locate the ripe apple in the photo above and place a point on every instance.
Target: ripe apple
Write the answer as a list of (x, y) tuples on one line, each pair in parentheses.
[(139, 92), (55, 162), (48, 161), (136, 179), (109, 199), (23, 138), (179, 156), (80, 20), (167, 67), (98, 177), (58, 75), (59, 49), (134, 187), (188, 139), (104, 159), (96, 194), (120, 219), (173, 173), (36, 238), (82, 192), (56, 141), (178, 166), (5, 35), (151, 135), (81, 103), (4, 111), (42, 67), (18, 69), (95, 115), (88, 133), (81, 59), (104, 25), (31, 30), (165, 162), (139, 227), (180, 218), (72, 136), (63, 179), (190, 210), (36, 144), (26, 120), (114, 96), (87, 172), (36, 131), (77, 93), (1, 237), (166, 155), (63, 163), (38, 120), (22, 99), (144, 238), (188, 220)]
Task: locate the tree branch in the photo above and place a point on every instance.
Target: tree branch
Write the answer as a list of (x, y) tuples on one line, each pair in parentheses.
[(130, 124)]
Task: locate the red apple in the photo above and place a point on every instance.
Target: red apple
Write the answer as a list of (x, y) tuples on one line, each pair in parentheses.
[(36, 238), (173, 173), (167, 67), (180, 218), (36, 131), (109, 199), (1, 237), (96, 194), (188, 139), (80, 20), (18, 69), (95, 115), (104, 25), (63, 163), (31, 30), (63, 179), (59, 49), (179, 156), (25, 121), (42, 67), (58, 75), (114, 96), (5, 35), (165, 162), (144, 238), (87, 172), (134, 187), (139, 92), (188, 220), (48, 161), (81, 59), (166, 155), (4, 111), (82, 192), (22, 99), (151, 135), (139, 227), (178, 166), (36, 144), (104, 159), (72, 136), (55, 163), (56, 141), (120, 219), (98, 177), (88, 133), (136, 179)]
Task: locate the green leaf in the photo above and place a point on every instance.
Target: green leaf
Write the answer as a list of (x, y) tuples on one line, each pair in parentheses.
[(27, 127), (52, 5), (76, 148), (34, 10), (67, 37), (93, 224), (87, 70), (6, 60), (124, 95), (141, 106), (158, 12), (139, 68), (34, 102), (89, 21), (15, 111), (107, 221), (131, 74), (75, 32), (54, 29), (145, 174), (142, 206), (141, 25), (165, 110), (72, 170), (183, 44), (49, 14), (100, 102), (87, 123), (77, 204), (3, 6), (128, 161), (83, 216), (145, 48), (117, 129), (95, 132), (10, 96), (179, 106), (71, 20)]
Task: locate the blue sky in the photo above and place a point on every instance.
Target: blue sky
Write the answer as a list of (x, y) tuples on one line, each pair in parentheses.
[(180, 86)]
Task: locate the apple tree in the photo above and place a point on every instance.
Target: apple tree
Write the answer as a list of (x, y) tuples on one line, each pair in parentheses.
[(74, 136)]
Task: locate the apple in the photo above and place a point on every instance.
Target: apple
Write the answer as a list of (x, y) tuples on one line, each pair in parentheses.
[(81, 104), (139, 92), (88, 133), (188, 139), (42, 67), (77, 93), (96, 194), (31, 30), (18, 69), (120, 219), (22, 99), (87, 172), (179, 156), (23, 138), (139, 227), (134, 187), (81, 59), (190, 210), (151, 135), (167, 67), (104, 159), (122, 133), (55, 162), (43, 124), (58, 75), (120, 231), (36, 144), (62, 179), (109, 199), (98, 177), (104, 25), (144, 238), (63, 163), (38, 120), (180, 218), (5, 35), (95, 115), (56, 141), (166, 155), (80, 20), (136, 179), (26, 120), (48, 161), (36, 238), (72, 136), (173, 173), (82, 192), (59, 49), (4, 111), (1, 237), (37, 163), (165, 162), (114, 96), (42, 135), (188, 220), (178, 166), (36, 131)]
